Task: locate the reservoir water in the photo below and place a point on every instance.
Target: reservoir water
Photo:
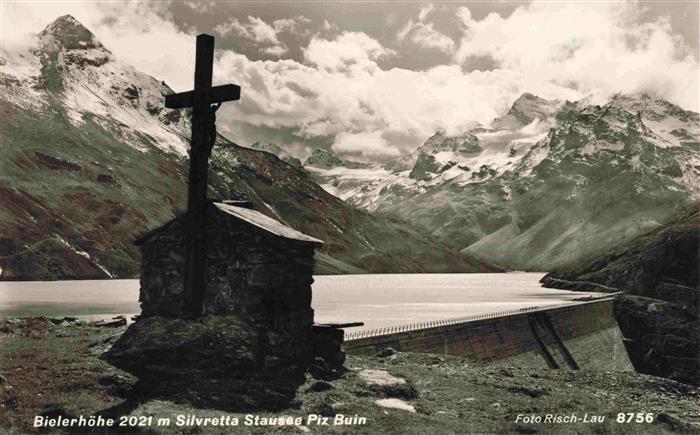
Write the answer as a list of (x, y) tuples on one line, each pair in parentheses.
[(376, 300)]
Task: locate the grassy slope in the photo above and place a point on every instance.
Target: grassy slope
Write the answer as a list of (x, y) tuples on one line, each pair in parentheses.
[(670, 251)]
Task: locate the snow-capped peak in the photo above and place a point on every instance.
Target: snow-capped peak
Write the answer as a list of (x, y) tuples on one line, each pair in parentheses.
[(67, 33), (526, 109), (463, 143), (70, 68)]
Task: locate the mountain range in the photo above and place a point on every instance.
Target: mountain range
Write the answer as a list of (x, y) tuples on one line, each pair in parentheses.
[(91, 159), (545, 184)]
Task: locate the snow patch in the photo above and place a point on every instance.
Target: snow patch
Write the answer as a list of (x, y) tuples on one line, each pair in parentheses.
[(395, 404), (380, 377), (83, 254)]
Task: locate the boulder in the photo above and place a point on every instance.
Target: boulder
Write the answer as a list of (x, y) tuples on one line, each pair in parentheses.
[(211, 362), (158, 347), (387, 385)]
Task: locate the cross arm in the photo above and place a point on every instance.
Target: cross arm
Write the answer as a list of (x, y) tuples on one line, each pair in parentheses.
[(217, 94)]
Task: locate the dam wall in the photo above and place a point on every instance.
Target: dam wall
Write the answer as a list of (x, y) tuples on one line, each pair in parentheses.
[(579, 336)]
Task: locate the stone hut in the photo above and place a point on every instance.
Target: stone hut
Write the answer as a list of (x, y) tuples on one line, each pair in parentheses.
[(257, 321), (257, 269), (254, 264)]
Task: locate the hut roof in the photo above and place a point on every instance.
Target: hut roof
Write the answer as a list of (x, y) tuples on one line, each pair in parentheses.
[(251, 217), (266, 223)]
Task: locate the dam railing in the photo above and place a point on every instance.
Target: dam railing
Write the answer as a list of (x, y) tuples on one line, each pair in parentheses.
[(356, 335)]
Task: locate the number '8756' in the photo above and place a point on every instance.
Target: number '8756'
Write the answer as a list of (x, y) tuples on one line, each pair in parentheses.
[(635, 417)]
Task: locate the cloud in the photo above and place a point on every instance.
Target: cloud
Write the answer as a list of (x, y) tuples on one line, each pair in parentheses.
[(593, 49), (424, 34), (264, 34), (365, 144), (349, 50), (275, 50), (346, 95), (255, 29), (425, 11), (327, 26), (200, 6), (291, 24)]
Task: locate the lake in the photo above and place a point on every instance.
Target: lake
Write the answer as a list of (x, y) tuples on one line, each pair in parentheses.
[(376, 300)]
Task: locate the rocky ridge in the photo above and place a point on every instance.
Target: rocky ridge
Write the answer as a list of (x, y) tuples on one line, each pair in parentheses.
[(327, 159), (276, 150)]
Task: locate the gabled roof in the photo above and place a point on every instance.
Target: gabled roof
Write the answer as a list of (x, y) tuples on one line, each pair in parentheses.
[(266, 223), (247, 215)]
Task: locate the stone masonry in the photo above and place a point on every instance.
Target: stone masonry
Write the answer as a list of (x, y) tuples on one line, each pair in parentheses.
[(257, 321)]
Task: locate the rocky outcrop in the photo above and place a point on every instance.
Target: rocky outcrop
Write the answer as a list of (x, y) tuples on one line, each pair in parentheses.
[(214, 362), (323, 159), (658, 314), (222, 346), (425, 168), (465, 143), (662, 338)]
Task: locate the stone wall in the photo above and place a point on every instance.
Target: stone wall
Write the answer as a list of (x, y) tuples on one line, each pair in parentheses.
[(263, 279)]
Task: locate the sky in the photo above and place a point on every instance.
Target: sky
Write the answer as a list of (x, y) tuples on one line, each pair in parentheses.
[(373, 80)]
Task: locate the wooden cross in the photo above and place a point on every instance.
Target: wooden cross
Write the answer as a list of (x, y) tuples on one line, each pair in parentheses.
[(203, 138)]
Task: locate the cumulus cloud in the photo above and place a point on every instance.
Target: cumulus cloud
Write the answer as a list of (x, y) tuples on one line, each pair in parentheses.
[(294, 24), (425, 11), (593, 49), (255, 29), (349, 97), (352, 50), (264, 34), (424, 34), (327, 26), (200, 6), (275, 50)]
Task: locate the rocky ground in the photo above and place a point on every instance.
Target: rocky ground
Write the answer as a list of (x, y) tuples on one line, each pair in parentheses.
[(51, 368)]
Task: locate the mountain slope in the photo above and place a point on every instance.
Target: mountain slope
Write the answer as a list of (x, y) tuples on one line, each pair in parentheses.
[(669, 253), (658, 314), (91, 159)]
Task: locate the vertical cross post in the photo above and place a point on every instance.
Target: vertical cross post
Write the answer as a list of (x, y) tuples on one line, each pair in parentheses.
[(195, 261), (203, 136)]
